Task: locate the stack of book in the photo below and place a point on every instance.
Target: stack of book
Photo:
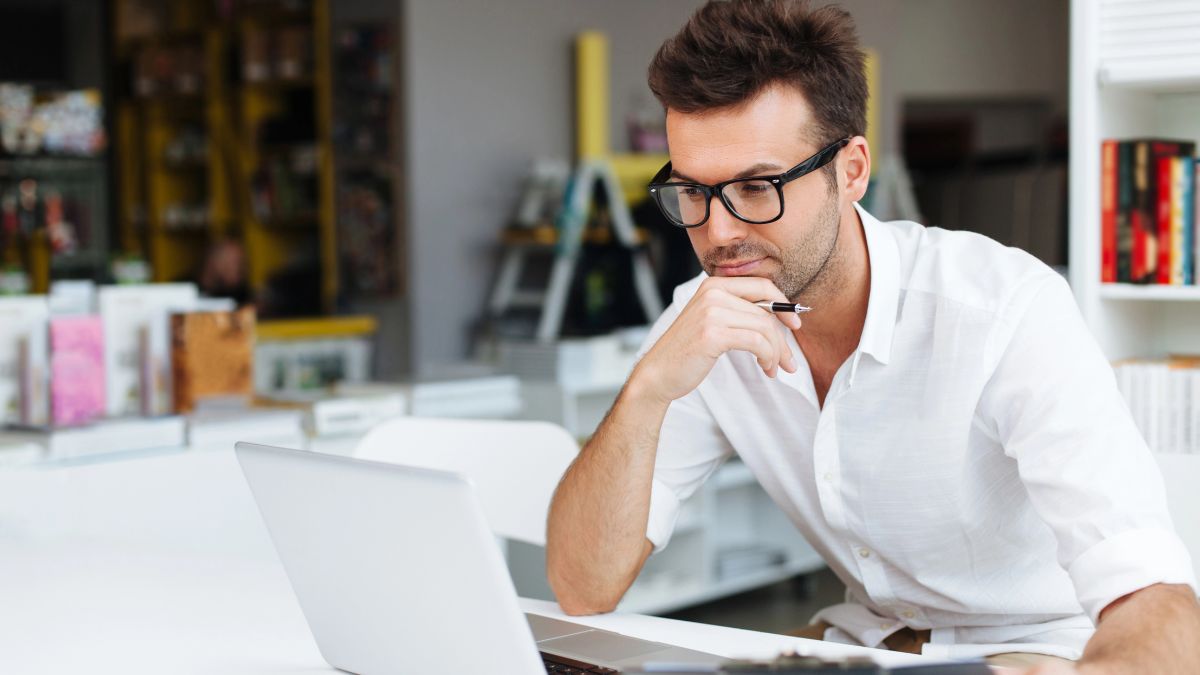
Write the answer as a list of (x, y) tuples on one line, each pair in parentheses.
[(1164, 398), (603, 359), (91, 371), (1148, 211)]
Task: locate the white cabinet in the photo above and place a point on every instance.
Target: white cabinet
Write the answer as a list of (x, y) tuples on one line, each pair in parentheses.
[(1135, 72), (729, 537)]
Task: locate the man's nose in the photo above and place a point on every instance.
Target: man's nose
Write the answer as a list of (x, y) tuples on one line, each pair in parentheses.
[(723, 227)]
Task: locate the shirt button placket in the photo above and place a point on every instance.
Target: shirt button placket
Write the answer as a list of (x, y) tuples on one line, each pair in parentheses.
[(826, 464)]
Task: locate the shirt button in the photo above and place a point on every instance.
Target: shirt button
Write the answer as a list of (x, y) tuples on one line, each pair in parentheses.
[(908, 614), (884, 626), (828, 477), (864, 552)]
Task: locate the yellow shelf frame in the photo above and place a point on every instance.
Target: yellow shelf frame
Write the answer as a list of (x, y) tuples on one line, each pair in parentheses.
[(317, 328)]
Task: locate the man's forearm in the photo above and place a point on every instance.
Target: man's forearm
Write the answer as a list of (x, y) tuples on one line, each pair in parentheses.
[(596, 534), (1154, 630)]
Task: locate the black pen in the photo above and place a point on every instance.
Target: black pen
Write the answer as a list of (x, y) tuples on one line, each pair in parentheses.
[(783, 307)]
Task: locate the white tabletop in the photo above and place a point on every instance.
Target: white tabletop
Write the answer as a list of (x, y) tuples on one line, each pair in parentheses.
[(161, 564)]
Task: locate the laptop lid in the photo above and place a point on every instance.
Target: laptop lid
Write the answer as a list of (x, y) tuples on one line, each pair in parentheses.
[(395, 567)]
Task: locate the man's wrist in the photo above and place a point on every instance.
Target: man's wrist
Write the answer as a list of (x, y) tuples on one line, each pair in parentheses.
[(639, 390)]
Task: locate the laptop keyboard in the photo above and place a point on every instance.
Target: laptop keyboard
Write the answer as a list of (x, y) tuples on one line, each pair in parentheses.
[(565, 666)]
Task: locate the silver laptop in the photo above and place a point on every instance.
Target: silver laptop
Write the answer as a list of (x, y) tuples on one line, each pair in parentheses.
[(397, 571)]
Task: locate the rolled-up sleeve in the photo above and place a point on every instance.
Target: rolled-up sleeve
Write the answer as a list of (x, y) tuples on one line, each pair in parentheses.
[(690, 446), (1055, 406)]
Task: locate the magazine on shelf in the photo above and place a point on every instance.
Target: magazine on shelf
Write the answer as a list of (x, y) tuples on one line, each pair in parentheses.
[(24, 365), (137, 346)]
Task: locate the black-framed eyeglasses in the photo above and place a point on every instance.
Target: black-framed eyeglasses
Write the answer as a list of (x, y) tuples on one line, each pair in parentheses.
[(757, 200)]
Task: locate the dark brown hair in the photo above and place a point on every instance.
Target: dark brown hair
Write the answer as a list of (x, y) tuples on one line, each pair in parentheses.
[(731, 50)]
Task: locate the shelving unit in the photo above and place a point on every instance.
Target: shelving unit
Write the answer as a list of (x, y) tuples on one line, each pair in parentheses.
[(82, 184), (729, 511), (271, 191), (1135, 72)]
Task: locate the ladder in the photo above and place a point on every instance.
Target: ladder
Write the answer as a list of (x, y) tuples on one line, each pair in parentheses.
[(564, 243)]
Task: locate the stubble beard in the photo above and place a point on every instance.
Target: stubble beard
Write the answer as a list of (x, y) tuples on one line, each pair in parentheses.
[(804, 268)]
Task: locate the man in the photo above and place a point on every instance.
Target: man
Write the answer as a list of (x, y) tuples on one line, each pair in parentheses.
[(942, 428)]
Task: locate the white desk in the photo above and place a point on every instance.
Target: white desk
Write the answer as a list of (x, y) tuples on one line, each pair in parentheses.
[(161, 564)]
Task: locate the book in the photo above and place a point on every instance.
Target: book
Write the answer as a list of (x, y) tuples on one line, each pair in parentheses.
[(1162, 219), (334, 414), (465, 391), (137, 347), (1124, 213), (1170, 221), (212, 356), (1151, 235), (1163, 396), (21, 454), (1175, 193), (72, 297), (223, 428), (102, 437), (1187, 203), (77, 383), (1108, 211), (24, 366)]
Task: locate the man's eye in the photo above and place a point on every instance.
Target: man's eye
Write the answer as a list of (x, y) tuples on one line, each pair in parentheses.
[(756, 189), (692, 193)]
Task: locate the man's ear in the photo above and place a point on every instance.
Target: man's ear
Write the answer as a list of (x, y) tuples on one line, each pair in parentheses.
[(855, 163)]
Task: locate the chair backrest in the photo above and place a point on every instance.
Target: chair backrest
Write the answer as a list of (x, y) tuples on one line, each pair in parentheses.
[(514, 465), (1181, 475)]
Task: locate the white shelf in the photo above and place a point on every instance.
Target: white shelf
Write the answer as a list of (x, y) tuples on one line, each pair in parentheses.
[(1134, 73), (1152, 292), (1152, 77)]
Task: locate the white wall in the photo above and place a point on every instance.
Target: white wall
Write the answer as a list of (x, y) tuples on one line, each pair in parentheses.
[(975, 48)]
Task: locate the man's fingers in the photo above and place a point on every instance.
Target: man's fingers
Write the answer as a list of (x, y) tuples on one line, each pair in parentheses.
[(756, 343), (750, 290), (744, 315), (756, 320)]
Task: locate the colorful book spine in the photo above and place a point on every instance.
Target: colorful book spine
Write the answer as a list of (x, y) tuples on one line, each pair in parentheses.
[(1163, 228), (1188, 200), (1124, 212), (77, 382), (1152, 236), (1147, 212), (1141, 215), (1177, 237), (1108, 212)]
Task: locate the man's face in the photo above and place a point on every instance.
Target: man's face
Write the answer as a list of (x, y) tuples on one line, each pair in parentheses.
[(765, 136)]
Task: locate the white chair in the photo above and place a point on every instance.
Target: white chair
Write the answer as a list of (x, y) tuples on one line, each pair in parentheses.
[(514, 465)]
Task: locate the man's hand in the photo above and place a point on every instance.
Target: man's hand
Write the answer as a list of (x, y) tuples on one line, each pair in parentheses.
[(721, 317)]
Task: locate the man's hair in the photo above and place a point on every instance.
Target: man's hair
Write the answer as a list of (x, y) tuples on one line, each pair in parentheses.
[(731, 50)]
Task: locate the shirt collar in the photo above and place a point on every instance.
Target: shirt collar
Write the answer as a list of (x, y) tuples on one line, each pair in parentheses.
[(884, 259)]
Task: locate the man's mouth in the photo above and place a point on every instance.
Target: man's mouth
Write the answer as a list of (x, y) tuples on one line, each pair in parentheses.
[(738, 267)]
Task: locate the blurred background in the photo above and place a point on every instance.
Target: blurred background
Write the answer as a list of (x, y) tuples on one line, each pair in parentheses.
[(366, 158), (291, 220)]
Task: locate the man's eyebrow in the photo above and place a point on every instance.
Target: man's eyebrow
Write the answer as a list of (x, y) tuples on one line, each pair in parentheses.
[(762, 168)]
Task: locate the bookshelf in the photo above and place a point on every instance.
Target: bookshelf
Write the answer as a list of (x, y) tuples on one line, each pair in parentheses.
[(224, 132), (1135, 72)]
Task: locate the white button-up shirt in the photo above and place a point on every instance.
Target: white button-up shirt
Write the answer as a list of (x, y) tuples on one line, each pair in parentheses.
[(974, 470)]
